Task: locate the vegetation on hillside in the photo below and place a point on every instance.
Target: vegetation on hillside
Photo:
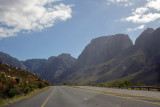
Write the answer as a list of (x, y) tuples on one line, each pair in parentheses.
[(115, 83), (14, 81)]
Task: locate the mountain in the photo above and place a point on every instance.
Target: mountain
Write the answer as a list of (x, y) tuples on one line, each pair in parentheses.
[(102, 49), (104, 59), (49, 69), (52, 68), (33, 64), (14, 81), (7, 59), (139, 63)]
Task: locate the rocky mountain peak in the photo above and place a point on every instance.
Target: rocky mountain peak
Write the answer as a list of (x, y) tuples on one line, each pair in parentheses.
[(103, 48), (52, 58), (144, 36), (64, 56)]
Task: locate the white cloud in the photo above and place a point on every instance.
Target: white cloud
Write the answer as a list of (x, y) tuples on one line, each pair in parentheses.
[(141, 10), (124, 3), (155, 4), (135, 29), (140, 18), (117, 1), (30, 15), (145, 14)]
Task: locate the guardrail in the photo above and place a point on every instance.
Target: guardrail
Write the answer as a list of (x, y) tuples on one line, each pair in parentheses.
[(149, 88)]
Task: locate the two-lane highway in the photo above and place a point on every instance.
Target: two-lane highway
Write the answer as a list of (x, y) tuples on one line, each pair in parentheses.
[(61, 96)]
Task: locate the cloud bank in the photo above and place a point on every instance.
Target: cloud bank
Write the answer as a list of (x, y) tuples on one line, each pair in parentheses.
[(146, 14), (30, 15)]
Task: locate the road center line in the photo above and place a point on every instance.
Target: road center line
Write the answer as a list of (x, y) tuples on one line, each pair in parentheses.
[(48, 97)]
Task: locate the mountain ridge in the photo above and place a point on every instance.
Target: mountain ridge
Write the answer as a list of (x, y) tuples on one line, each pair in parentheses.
[(104, 59), (138, 63)]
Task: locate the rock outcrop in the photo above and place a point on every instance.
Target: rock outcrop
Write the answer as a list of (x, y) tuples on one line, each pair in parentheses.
[(103, 49)]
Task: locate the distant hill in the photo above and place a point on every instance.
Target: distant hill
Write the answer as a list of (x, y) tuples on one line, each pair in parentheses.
[(52, 68), (33, 64), (139, 63), (7, 59), (14, 81)]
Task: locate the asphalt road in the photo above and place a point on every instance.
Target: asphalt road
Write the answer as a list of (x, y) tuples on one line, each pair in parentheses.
[(61, 96)]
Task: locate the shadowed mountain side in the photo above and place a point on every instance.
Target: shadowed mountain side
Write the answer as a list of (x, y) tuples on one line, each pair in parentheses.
[(7, 59), (98, 51), (139, 63), (53, 68), (33, 64), (50, 69), (102, 49)]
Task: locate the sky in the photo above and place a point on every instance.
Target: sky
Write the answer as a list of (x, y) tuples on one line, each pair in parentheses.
[(43, 28)]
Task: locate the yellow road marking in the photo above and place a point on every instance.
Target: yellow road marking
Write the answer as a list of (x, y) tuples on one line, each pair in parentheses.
[(133, 98), (145, 98), (48, 97), (157, 102), (107, 92)]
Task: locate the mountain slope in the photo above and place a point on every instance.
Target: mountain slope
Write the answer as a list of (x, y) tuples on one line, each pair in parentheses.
[(52, 68), (107, 58), (102, 49), (33, 64), (7, 59), (139, 63)]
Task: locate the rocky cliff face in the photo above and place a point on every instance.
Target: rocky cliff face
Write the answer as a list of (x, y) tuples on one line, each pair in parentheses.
[(103, 49), (33, 64), (144, 37)]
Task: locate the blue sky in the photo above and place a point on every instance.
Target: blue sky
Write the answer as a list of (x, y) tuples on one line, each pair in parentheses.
[(43, 28)]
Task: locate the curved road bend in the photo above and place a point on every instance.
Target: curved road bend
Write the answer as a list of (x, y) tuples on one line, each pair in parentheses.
[(61, 96)]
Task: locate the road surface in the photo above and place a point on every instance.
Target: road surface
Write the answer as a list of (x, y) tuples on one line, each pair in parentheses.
[(62, 96)]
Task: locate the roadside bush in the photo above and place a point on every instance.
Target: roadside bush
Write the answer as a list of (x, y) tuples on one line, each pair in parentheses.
[(1, 86), (2, 75), (13, 92), (65, 84), (33, 86), (46, 83), (140, 84), (27, 90), (18, 80), (41, 85), (13, 82)]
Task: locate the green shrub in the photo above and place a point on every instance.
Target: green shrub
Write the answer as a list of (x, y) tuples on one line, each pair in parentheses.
[(33, 86), (41, 85), (140, 84), (13, 92), (27, 90)]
